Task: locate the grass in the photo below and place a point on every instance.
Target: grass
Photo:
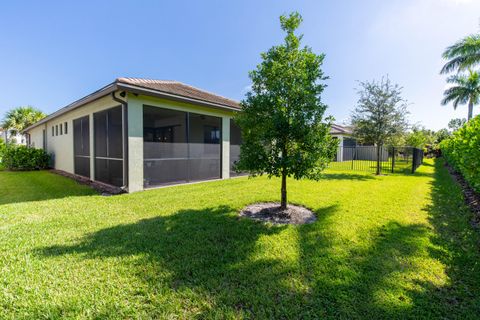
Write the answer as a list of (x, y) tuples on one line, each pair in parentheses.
[(396, 246)]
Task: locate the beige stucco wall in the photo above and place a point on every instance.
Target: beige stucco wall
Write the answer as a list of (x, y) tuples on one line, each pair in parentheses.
[(36, 137), (61, 146)]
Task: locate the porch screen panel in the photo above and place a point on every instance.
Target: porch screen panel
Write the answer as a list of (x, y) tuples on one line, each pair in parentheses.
[(81, 146), (235, 142), (165, 147), (204, 136), (109, 146)]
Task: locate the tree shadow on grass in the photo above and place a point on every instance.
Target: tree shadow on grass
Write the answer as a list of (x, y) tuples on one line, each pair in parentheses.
[(346, 176), (347, 285), (457, 246), (212, 255), (210, 252)]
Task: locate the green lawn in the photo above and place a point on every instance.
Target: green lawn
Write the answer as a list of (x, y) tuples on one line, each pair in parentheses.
[(396, 246)]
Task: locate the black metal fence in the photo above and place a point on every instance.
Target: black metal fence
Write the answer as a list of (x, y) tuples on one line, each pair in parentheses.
[(391, 159)]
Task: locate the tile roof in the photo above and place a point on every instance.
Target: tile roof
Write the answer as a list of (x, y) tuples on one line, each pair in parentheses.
[(179, 89), (338, 129)]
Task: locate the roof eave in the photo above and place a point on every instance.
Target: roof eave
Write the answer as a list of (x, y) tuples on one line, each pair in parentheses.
[(77, 104), (132, 89), (170, 96)]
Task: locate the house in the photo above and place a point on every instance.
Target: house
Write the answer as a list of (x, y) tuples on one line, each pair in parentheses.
[(142, 133), (12, 136), (346, 141)]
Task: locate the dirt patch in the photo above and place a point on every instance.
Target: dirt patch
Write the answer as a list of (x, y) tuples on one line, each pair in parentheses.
[(271, 212), (102, 188), (472, 199)]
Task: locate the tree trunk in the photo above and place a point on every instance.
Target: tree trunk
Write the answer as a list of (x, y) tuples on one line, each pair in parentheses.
[(283, 205), (470, 109), (379, 147)]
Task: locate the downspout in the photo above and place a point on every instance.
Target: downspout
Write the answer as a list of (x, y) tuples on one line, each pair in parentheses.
[(125, 138)]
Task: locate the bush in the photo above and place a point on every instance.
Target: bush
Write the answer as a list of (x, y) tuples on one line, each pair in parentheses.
[(24, 158), (462, 151)]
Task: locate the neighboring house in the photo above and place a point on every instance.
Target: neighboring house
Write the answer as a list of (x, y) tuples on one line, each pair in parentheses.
[(345, 136), (140, 133), (11, 137)]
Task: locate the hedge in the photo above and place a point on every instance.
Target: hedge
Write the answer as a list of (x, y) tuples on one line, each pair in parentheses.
[(18, 157), (462, 152)]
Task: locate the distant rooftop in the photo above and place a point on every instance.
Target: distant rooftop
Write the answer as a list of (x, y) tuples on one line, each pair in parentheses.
[(338, 129)]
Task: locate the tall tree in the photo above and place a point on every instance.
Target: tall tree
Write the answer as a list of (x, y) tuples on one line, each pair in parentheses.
[(20, 118), (465, 89), (283, 127), (380, 114), (462, 55), (456, 123)]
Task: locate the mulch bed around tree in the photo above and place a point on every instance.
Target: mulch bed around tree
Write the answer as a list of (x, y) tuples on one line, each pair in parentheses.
[(271, 212), (103, 189), (472, 199)]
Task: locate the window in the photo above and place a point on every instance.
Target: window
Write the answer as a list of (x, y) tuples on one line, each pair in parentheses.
[(53, 131), (65, 127), (180, 146), (108, 135), (56, 130), (61, 128), (81, 146)]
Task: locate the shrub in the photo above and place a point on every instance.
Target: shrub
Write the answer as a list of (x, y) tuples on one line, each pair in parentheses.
[(462, 152), (17, 157)]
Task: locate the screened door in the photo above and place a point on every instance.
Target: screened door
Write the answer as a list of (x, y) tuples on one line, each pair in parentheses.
[(108, 137), (81, 146), (180, 146)]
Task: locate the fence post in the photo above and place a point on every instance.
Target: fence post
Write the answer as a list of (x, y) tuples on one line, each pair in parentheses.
[(414, 158), (393, 159), (353, 155)]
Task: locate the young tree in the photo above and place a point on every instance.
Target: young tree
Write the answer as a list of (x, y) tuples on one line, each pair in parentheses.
[(380, 114), (283, 129)]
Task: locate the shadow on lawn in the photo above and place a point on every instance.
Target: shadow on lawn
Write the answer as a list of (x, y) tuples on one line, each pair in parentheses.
[(218, 257), (346, 176), (457, 246)]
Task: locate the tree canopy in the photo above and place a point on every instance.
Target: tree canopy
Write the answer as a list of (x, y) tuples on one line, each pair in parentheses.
[(380, 113), (465, 90), (283, 127), (462, 55), (456, 123), (20, 118)]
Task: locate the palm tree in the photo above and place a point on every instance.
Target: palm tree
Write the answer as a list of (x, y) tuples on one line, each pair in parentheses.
[(462, 55), (466, 90), (20, 118)]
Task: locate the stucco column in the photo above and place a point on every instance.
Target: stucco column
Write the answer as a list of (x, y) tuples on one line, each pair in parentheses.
[(135, 144), (92, 150), (225, 147)]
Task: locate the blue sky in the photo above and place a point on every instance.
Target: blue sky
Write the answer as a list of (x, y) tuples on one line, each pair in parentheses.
[(54, 52)]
